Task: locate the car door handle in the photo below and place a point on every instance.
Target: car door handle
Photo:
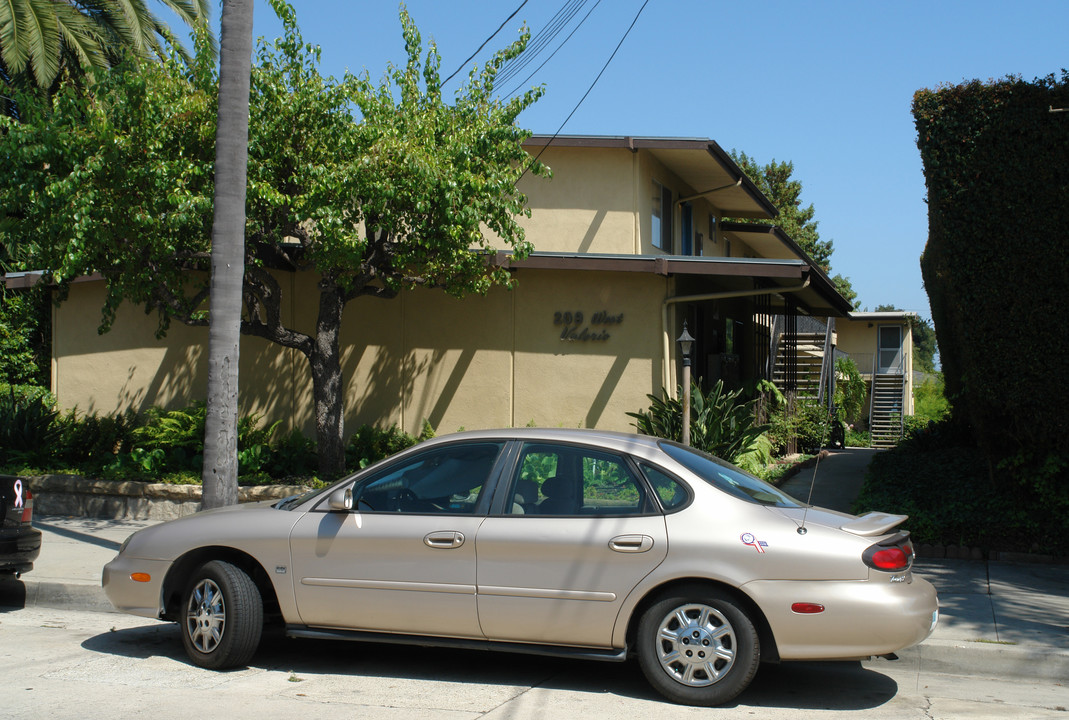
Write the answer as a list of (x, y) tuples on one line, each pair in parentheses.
[(631, 543), (444, 539)]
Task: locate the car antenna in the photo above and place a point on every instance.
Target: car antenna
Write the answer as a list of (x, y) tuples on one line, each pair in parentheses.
[(802, 530), (809, 500)]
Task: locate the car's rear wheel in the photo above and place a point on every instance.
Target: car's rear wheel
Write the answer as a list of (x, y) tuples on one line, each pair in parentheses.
[(697, 646), (222, 616)]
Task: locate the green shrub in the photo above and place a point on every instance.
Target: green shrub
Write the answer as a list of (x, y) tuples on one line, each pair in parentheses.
[(809, 425), (851, 390), (370, 444), (929, 402), (28, 428), (293, 455), (954, 496), (91, 442), (721, 422)]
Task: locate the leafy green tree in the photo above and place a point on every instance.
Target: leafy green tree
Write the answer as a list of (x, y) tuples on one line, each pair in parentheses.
[(776, 182), (220, 472), (122, 185)]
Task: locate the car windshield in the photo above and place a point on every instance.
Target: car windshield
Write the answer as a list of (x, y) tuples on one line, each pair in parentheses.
[(727, 477)]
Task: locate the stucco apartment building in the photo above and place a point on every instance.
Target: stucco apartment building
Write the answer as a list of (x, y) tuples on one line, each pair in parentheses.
[(630, 241)]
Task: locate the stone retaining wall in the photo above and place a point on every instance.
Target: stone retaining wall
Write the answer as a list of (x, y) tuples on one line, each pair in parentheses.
[(85, 497)]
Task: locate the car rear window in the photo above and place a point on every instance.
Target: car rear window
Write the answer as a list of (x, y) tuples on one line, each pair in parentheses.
[(726, 477)]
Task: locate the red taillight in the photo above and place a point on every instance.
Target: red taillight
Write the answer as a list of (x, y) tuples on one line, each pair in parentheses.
[(891, 556), (27, 506), (891, 559)]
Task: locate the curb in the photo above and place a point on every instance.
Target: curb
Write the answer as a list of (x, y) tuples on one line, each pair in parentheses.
[(956, 657), (53, 595)]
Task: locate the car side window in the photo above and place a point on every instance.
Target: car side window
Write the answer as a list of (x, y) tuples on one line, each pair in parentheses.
[(564, 480), (669, 491), (444, 481)]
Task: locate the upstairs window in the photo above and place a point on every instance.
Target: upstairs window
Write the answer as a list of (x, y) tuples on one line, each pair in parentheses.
[(662, 217)]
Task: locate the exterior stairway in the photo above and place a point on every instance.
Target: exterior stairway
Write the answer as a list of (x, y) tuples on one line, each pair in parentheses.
[(885, 415), (809, 356)]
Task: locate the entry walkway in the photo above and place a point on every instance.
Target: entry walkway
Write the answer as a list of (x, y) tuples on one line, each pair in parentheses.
[(839, 478)]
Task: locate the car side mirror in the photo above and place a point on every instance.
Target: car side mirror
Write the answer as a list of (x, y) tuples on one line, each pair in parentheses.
[(341, 500)]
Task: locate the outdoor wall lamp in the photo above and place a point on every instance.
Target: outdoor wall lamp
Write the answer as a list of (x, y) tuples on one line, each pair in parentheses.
[(686, 343)]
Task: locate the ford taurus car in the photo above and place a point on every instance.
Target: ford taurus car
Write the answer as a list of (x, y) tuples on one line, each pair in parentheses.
[(578, 543), (20, 542)]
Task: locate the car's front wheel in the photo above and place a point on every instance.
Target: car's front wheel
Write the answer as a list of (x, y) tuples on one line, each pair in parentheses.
[(697, 646), (222, 616)]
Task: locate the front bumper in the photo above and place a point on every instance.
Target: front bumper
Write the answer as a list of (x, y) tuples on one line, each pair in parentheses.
[(137, 597)]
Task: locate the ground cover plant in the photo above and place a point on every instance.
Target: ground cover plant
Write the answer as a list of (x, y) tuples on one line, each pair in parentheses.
[(161, 445)]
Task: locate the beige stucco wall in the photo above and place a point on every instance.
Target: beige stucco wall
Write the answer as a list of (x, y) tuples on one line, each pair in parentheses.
[(600, 200), (858, 338), (129, 368), (589, 204), (484, 361)]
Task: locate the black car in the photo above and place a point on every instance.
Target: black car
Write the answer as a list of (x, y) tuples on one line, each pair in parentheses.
[(20, 542)]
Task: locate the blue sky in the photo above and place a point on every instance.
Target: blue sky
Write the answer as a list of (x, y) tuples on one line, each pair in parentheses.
[(826, 85)]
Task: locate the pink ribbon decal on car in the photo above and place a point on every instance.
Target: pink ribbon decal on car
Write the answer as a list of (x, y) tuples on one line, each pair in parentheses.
[(749, 539), (18, 493)]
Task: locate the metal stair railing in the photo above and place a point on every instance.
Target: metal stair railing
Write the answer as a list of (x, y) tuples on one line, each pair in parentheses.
[(825, 364)]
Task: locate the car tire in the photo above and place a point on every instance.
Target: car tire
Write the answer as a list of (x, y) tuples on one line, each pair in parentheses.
[(222, 616), (697, 646)]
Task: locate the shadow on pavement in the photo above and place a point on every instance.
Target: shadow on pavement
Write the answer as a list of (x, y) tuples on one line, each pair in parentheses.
[(804, 686)]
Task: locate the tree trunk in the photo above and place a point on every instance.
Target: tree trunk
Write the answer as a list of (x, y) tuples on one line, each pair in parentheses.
[(220, 472), (327, 383)]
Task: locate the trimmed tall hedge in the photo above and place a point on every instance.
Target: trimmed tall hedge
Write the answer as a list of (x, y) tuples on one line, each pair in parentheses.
[(996, 266)]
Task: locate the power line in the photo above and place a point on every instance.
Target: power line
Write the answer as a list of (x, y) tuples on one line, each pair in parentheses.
[(544, 37), (485, 42), (552, 54), (588, 91)]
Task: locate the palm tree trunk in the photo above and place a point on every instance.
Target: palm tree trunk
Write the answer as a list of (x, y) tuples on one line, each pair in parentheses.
[(220, 473)]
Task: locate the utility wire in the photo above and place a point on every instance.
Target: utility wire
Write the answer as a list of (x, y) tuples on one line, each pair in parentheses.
[(544, 37), (563, 43), (603, 69), (485, 42)]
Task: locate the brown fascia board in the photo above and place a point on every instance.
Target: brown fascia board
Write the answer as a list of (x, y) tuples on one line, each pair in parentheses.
[(842, 303), (635, 144), (656, 264), (785, 272)]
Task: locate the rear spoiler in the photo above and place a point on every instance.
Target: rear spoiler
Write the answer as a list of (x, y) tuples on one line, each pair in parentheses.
[(874, 523)]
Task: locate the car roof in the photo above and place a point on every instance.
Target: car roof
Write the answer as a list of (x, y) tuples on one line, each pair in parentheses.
[(604, 438)]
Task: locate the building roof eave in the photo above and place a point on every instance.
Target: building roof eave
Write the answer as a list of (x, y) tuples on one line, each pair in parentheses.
[(699, 162), (820, 297)]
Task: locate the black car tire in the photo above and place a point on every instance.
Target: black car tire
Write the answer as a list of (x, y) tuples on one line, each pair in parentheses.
[(222, 616), (697, 646)]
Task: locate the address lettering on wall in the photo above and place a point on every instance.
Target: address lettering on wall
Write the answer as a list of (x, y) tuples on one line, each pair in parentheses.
[(578, 326)]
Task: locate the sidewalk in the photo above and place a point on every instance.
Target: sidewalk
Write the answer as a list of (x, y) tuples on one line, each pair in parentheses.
[(996, 618), (1004, 618)]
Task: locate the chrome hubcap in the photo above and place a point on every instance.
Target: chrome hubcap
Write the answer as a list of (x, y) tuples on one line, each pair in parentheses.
[(696, 645), (205, 616)]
